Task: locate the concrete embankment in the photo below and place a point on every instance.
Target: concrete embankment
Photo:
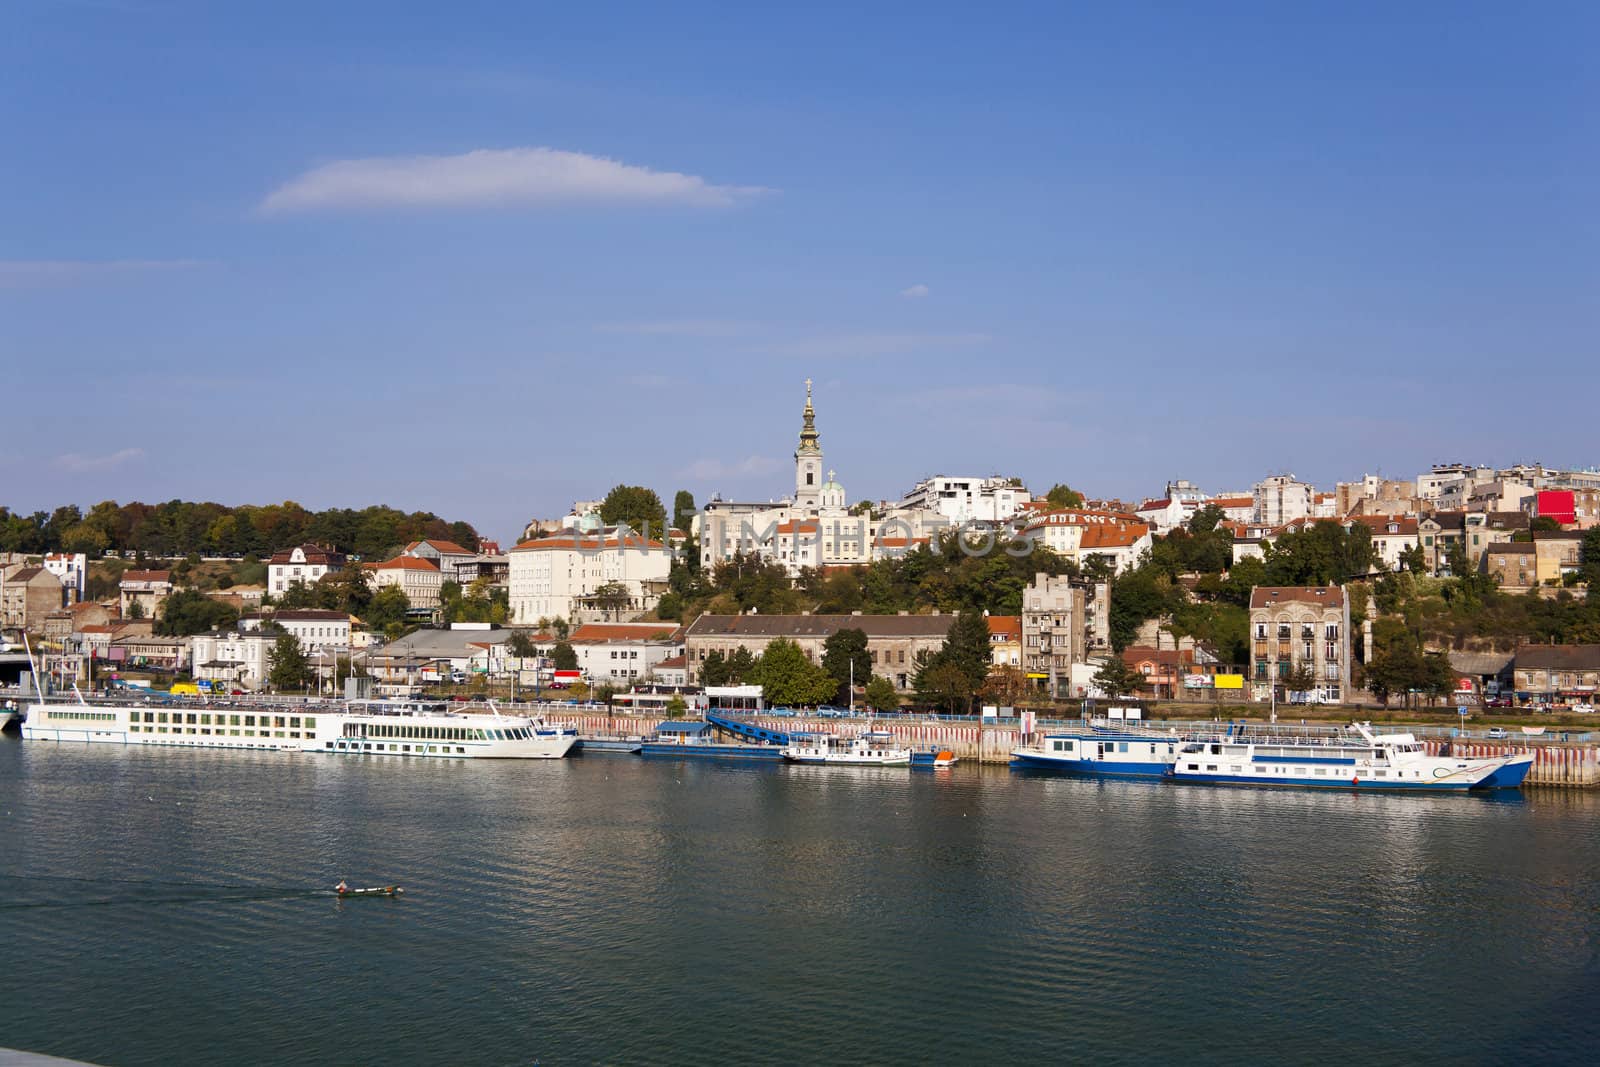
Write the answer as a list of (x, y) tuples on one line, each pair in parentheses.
[(1556, 763)]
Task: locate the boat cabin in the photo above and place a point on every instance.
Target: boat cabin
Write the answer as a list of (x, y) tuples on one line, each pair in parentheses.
[(683, 733)]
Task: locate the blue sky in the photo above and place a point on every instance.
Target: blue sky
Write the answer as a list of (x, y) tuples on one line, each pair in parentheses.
[(487, 258)]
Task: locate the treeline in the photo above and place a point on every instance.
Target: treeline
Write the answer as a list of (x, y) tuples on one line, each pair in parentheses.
[(183, 528), (942, 577)]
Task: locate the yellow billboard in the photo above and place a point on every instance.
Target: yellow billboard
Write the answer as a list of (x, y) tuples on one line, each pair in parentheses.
[(1229, 681)]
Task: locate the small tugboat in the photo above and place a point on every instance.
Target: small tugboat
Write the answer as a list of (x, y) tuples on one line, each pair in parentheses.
[(874, 748), (343, 890)]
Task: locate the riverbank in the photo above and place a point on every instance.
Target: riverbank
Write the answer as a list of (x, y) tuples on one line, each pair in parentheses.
[(1565, 759)]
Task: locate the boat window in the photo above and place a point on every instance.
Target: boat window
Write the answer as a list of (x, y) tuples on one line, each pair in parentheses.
[(1122, 746)]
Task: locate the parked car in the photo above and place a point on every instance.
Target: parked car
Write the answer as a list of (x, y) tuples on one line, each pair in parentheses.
[(1498, 732), (1498, 702), (1583, 708)]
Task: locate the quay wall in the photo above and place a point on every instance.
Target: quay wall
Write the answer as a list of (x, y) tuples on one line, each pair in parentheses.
[(1555, 763)]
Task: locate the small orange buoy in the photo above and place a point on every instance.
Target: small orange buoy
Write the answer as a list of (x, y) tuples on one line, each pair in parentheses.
[(1355, 781)]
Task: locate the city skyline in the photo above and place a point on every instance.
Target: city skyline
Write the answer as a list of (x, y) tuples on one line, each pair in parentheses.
[(488, 262)]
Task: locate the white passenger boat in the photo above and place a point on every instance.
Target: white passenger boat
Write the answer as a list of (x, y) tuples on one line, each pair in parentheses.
[(874, 748), (369, 727), (1358, 759), (1100, 752)]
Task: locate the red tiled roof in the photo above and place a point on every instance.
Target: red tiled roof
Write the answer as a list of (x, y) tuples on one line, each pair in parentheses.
[(592, 632), (1080, 517), (1233, 501), (899, 542), (585, 544), (1007, 627), (673, 662), (1405, 524), (1263, 596), (1134, 655), (407, 563), (448, 548), (147, 576), (1120, 536), (314, 554)]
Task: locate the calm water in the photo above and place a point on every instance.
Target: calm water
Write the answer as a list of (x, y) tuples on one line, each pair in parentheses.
[(610, 909)]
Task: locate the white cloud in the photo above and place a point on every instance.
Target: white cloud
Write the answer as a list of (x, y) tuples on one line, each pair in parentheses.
[(676, 328), (712, 469), (494, 176), (18, 273), (872, 344), (915, 292), (79, 464)]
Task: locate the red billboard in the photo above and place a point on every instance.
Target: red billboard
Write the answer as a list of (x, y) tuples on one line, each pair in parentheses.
[(1557, 504)]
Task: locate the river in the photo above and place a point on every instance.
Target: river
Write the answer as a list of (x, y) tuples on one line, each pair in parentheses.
[(167, 906)]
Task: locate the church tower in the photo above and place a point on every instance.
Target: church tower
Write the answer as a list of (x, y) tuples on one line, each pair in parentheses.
[(808, 460)]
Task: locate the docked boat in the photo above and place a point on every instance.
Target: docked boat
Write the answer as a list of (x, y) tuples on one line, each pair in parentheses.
[(932, 756), (362, 727), (873, 748), (9, 715), (696, 739), (1356, 759), (1100, 752), (627, 746)]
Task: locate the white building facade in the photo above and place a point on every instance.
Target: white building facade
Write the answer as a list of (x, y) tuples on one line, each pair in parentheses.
[(301, 564), (964, 500), (552, 575), (1281, 499)]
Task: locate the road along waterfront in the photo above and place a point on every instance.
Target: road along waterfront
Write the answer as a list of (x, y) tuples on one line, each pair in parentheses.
[(166, 905)]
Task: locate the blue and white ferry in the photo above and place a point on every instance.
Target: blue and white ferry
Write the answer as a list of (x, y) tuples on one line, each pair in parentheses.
[(1358, 759), (1101, 752)]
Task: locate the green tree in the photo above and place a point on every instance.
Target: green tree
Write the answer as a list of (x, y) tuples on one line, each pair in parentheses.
[(189, 611), (1006, 686), (742, 666), (843, 652), (1302, 679), (1205, 519), (714, 668), (966, 646), (683, 510), (637, 508), (1115, 678), (612, 598), (880, 695), (521, 646), (563, 658), (1544, 523), (1412, 559), (1589, 554), (1063, 496), (136, 609), (945, 685), (676, 707), (288, 667), (788, 679), (387, 608)]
